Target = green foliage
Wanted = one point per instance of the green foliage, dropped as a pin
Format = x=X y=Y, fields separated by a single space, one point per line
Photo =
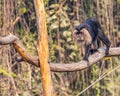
x=24 y=10
x=29 y=40
x=118 y=1
x=87 y=7
x=6 y=73
x=59 y=28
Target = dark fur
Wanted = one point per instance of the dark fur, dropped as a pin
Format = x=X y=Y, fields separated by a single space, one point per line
x=96 y=32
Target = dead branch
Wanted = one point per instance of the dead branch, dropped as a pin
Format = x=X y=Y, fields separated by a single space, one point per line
x=57 y=67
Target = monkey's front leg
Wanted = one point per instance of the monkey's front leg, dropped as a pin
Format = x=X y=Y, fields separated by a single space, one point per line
x=87 y=50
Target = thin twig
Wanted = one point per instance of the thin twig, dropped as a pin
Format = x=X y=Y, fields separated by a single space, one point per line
x=100 y=78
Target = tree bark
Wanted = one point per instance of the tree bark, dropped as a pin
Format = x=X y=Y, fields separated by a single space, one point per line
x=57 y=67
x=43 y=47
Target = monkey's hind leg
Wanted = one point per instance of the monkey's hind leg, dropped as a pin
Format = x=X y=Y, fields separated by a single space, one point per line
x=87 y=51
x=106 y=41
x=94 y=47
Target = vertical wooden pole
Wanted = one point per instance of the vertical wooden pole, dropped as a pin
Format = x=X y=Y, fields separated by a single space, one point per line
x=43 y=47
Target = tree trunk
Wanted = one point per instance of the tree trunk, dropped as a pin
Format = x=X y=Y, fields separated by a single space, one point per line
x=43 y=47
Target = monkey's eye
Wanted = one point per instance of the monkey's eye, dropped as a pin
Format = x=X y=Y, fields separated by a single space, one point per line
x=78 y=33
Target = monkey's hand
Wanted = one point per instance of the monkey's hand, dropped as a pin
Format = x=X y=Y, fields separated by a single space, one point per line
x=106 y=52
x=85 y=58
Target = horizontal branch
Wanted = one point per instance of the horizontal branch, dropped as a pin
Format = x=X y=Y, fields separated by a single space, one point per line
x=57 y=67
x=83 y=64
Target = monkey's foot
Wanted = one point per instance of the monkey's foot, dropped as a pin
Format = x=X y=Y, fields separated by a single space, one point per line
x=106 y=52
x=92 y=51
x=86 y=59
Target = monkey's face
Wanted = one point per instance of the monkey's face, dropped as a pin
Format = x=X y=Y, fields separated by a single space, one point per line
x=80 y=34
x=83 y=35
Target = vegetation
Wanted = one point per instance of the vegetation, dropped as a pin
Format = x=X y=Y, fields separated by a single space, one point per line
x=21 y=79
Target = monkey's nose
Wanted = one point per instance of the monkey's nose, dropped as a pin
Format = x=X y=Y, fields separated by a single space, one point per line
x=80 y=40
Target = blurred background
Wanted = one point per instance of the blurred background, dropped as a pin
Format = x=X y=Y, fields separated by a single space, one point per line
x=22 y=79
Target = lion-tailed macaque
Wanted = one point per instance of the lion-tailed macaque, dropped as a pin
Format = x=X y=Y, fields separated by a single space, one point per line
x=90 y=31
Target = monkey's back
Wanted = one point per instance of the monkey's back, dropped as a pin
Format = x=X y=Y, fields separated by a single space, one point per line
x=93 y=27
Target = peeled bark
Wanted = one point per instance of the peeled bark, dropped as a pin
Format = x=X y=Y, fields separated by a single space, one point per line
x=43 y=47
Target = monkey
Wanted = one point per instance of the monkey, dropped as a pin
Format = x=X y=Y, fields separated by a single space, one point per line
x=91 y=32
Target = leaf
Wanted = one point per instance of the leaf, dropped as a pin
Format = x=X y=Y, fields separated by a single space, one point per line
x=24 y=10
x=52 y=12
x=54 y=17
x=118 y=1
x=72 y=55
x=5 y=72
x=54 y=26
x=69 y=39
x=54 y=6
x=67 y=33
